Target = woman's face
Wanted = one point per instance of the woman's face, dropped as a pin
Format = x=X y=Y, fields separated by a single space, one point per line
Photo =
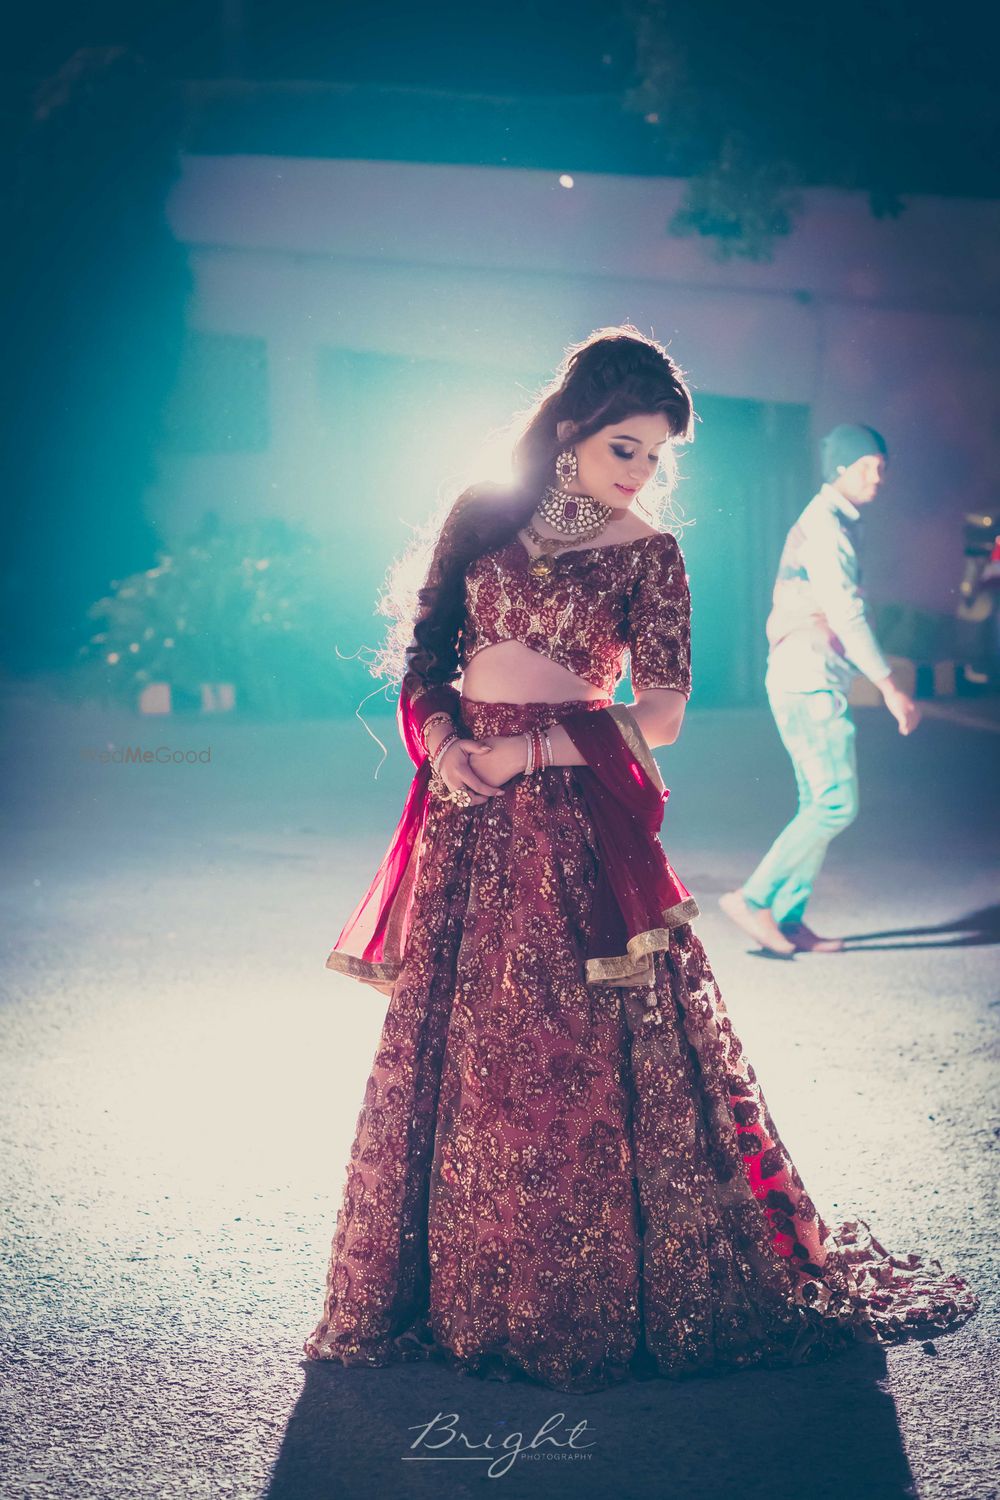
x=616 y=462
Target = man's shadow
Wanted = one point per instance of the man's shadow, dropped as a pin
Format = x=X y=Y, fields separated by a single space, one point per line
x=979 y=929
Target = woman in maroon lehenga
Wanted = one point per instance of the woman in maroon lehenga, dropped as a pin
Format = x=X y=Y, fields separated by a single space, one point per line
x=564 y=1167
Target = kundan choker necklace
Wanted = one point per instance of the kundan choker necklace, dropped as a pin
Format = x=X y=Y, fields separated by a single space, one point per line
x=577 y=516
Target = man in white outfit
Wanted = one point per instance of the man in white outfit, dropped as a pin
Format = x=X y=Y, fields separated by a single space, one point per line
x=819 y=639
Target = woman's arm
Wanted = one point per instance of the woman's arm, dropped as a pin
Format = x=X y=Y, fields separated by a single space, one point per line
x=421 y=701
x=430 y=713
x=659 y=638
x=413 y=685
x=659 y=713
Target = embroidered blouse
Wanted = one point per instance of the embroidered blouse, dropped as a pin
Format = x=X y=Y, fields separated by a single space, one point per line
x=595 y=605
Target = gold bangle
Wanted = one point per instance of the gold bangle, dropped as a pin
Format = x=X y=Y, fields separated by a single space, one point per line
x=445 y=744
x=438 y=718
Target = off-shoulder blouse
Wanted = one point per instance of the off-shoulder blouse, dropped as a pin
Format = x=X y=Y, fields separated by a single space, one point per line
x=595 y=604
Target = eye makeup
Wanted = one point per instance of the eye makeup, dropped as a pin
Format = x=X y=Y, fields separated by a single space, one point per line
x=620 y=453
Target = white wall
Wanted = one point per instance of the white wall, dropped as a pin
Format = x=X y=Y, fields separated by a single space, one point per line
x=889 y=322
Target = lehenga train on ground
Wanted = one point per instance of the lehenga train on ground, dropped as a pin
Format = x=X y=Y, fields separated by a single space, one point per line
x=564 y=1167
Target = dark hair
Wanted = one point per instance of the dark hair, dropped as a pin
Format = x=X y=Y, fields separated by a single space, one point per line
x=613 y=374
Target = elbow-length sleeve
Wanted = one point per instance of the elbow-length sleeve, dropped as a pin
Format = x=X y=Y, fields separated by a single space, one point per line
x=659 y=619
x=414 y=688
x=419 y=699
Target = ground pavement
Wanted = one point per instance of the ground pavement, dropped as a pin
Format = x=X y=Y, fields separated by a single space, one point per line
x=180 y=1079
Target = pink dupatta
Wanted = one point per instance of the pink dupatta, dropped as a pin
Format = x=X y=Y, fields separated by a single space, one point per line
x=373 y=941
x=638 y=897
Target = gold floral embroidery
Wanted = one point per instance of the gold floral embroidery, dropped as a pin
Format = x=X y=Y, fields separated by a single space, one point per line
x=597 y=603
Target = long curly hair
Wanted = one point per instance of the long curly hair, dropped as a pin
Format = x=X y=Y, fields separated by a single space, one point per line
x=615 y=373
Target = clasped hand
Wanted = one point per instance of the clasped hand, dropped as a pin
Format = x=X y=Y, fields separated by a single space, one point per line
x=483 y=767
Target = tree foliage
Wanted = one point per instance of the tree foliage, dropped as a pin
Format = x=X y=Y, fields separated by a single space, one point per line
x=754 y=103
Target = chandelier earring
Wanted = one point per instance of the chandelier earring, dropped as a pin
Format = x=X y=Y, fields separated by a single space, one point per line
x=567 y=466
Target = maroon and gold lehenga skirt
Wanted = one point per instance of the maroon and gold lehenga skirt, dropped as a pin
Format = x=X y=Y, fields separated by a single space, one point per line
x=544 y=1185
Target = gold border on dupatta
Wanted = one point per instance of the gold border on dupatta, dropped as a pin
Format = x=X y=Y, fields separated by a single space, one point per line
x=634 y=738
x=379 y=976
x=635 y=966
x=382 y=976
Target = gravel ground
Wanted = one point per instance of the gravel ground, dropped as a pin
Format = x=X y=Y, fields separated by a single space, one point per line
x=180 y=1079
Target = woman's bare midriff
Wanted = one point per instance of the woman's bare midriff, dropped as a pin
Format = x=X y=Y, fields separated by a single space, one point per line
x=511 y=672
